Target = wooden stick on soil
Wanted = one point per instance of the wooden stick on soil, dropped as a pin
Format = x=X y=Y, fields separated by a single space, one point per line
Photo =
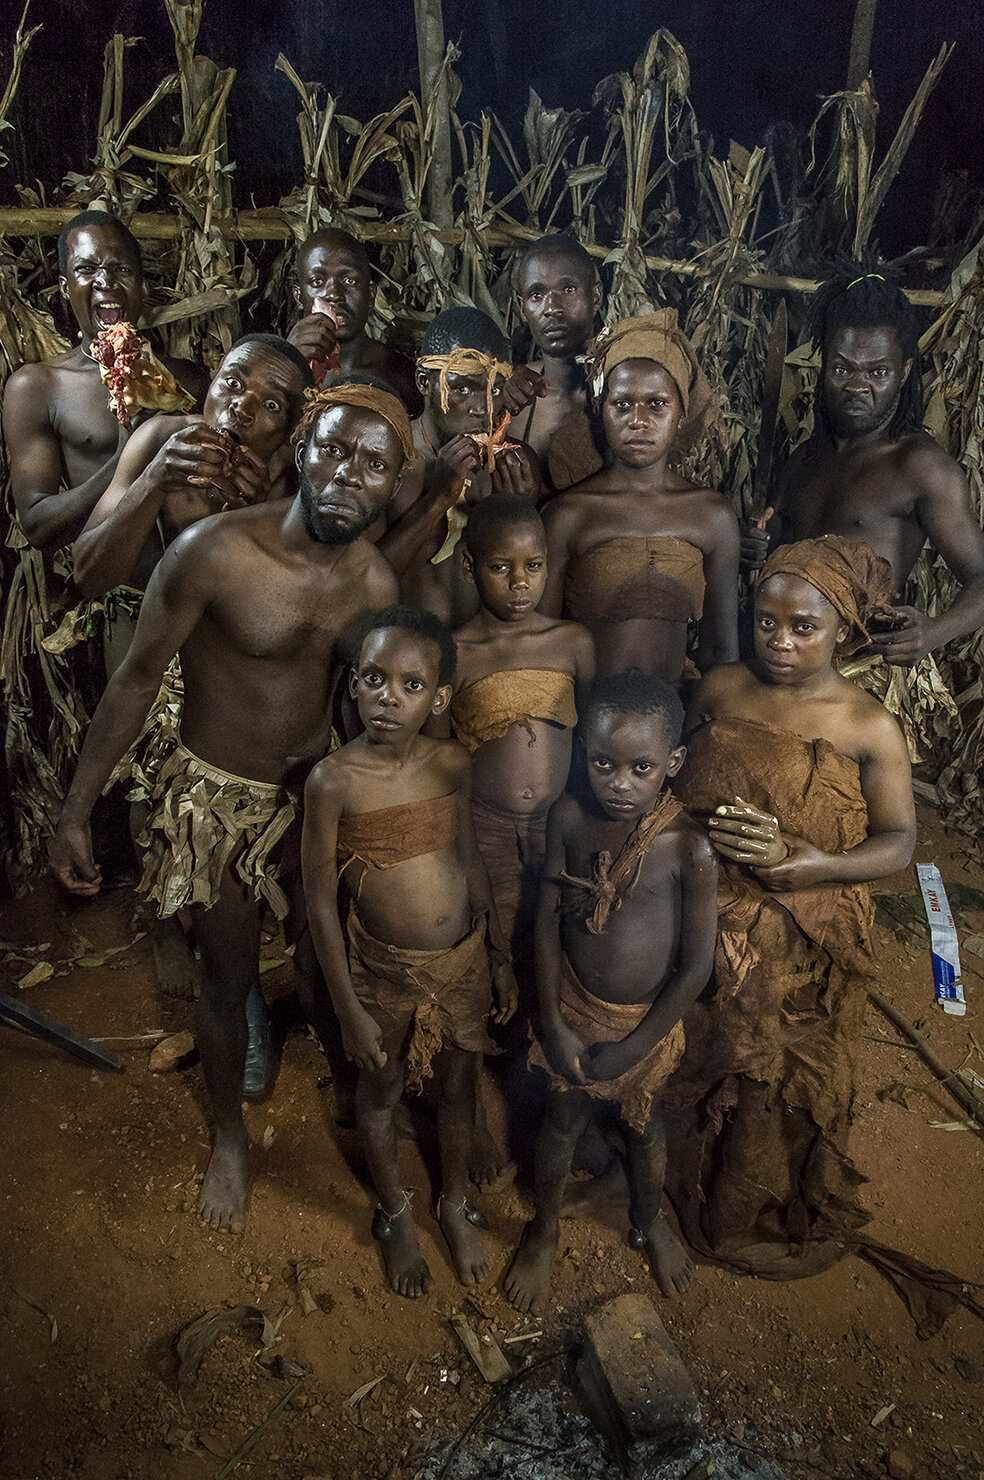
x=251 y=1440
x=949 y=1078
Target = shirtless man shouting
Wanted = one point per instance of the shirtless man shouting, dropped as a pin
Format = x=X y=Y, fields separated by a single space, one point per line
x=64 y=441
x=870 y=472
x=256 y=603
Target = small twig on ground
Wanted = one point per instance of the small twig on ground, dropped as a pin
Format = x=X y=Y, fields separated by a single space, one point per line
x=949 y=1078
x=251 y=1440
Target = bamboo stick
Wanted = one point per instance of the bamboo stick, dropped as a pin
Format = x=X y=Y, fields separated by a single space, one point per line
x=434 y=97
x=258 y=226
x=949 y=1078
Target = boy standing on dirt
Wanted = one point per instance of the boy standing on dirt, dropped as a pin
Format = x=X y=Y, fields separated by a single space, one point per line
x=392 y=812
x=625 y=941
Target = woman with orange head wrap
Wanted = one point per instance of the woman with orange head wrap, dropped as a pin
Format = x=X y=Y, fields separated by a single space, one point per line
x=804 y=782
x=637 y=552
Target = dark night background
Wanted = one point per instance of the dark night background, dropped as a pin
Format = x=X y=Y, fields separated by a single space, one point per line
x=753 y=63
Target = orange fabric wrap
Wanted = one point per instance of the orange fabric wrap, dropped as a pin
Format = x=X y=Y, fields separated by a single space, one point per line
x=848 y=573
x=488 y=708
x=391 y=835
x=428 y=999
x=596 y=1021
x=625 y=579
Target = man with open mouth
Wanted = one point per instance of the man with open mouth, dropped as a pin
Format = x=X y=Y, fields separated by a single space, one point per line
x=64 y=441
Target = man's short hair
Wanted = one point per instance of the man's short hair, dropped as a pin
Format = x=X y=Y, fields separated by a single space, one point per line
x=863 y=295
x=557 y=244
x=499 y=511
x=638 y=693
x=333 y=236
x=281 y=347
x=421 y=624
x=465 y=328
x=95 y=218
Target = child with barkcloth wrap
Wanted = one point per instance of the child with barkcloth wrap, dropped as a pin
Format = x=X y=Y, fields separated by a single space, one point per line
x=513 y=706
x=390 y=812
x=624 y=943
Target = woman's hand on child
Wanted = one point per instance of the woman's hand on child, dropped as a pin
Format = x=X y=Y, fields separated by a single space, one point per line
x=362 y=1040
x=802 y=867
x=505 y=991
x=564 y=1050
x=743 y=834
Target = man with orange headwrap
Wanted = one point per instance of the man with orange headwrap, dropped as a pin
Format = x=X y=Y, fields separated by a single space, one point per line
x=803 y=780
x=256 y=603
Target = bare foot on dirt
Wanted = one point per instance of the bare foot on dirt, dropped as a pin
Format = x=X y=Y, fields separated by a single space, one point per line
x=460 y=1225
x=488 y=1166
x=403 y=1262
x=585 y=1198
x=527 y=1280
x=222 y=1202
x=174 y=961
x=671 y=1266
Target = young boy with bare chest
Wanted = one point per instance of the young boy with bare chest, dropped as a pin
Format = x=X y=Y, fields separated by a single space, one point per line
x=625 y=937
x=516 y=682
x=390 y=814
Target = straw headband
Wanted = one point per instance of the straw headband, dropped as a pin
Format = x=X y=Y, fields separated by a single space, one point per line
x=368 y=398
x=463 y=361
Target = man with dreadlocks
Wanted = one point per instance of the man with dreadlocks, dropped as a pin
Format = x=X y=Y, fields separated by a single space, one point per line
x=256 y=603
x=870 y=471
x=461 y=437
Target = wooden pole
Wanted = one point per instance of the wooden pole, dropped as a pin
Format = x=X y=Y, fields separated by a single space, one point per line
x=271 y=226
x=434 y=96
x=859 y=63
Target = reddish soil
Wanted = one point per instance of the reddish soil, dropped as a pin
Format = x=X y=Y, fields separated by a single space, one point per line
x=105 y=1260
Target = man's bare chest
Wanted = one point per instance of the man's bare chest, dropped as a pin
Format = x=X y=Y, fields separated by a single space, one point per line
x=87 y=430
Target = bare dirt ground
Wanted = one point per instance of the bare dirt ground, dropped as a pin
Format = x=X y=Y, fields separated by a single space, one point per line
x=105 y=1261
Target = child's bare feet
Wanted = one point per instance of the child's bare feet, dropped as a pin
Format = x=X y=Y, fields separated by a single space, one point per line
x=405 y=1266
x=222 y=1201
x=460 y=1224
x=174 y=961
x=527 y=1280
x=582 y=1199
x=488 y=1166
x=671 y=1266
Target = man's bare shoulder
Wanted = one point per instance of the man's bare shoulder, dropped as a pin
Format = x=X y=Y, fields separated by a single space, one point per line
x=36 y=383
x=925 y=461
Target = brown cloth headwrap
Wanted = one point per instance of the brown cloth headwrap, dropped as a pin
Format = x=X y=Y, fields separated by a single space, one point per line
x=656 y=336
x=370 y=398
x=850 y=574
x=612 y=879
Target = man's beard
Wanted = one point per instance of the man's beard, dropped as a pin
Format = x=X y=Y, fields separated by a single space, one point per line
x=328 y=529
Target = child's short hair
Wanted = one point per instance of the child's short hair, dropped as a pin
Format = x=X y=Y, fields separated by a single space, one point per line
x=499 y=511
x=638 y=693
x=422 y=624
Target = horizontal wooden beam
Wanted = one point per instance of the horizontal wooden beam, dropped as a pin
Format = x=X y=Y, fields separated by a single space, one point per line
x=271 y=225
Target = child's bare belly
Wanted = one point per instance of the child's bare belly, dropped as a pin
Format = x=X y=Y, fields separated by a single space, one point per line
x=513 y=775
x=419 y=905
x=631 y=959
x=651 y=644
